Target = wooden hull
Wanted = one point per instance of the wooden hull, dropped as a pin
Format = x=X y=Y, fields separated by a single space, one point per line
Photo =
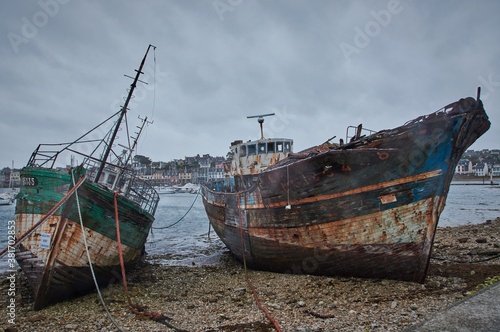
x=366 y=209
x=54 y=257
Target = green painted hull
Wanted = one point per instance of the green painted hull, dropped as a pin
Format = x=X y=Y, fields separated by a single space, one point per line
x=54 y=257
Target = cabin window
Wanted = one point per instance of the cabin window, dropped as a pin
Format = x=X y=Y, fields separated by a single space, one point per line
x=270 y=147
x=111 y=179
x=279 y=146
x=251 y=149
x=287 y=146
x=243 y=151
x=262 y=148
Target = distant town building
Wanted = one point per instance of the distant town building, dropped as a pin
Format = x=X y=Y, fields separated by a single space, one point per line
x=10 y=178
x=464 y=167
x=479 y=163
x=200 y=169
x=480 y=169
x=496 y=169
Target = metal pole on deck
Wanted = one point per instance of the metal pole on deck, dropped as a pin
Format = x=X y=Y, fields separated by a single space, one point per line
x=122 y=114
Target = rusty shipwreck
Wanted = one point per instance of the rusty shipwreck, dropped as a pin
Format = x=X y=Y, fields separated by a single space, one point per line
x=365 y=208
x=69 y=218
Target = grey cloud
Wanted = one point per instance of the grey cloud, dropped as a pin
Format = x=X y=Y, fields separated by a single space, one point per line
x=216 y=67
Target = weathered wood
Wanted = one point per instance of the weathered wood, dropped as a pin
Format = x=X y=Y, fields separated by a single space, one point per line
x=368 y=208
x=62 y=270
x=82 y=231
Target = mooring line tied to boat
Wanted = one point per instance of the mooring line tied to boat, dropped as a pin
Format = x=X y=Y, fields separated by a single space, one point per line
x=182 y=218
x=247 y=278
x=135 y=308
x=494 y=256
x=84 y=237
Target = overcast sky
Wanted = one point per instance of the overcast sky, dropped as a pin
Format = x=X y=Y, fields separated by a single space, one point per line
x=319 y=65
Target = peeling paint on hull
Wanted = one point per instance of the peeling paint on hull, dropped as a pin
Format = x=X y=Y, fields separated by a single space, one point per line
x=366 y=209
x=360 y=247
x=67 y=205
x=58 y=268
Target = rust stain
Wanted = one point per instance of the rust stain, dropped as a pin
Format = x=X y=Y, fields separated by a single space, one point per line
x=390 y=198
x=346 y=168
x=383 y=155
x=358 y=230
x=387 y=184
x=368 y=208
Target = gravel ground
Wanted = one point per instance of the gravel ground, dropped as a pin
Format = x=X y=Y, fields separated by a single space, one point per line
x=218 y=298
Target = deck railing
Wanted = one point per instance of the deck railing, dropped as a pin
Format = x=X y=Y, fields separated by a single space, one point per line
x=114 y=177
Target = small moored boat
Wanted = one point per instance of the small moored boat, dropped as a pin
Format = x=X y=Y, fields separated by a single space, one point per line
x=165 y=190
x=6 y=199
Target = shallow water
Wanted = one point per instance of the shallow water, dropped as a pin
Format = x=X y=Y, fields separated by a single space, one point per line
x=176 y=241
x=470 y=204
x=180 y=237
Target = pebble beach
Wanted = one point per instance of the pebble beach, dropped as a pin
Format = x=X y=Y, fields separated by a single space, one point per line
x=220 y=297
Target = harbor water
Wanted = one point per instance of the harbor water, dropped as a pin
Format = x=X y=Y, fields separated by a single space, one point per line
x=180 y=234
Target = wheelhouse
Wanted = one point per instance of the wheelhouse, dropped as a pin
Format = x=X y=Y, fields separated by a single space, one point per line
x=254 y=157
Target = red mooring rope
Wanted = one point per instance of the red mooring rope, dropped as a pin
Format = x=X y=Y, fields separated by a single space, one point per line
x=134 y=308
x=247 y=278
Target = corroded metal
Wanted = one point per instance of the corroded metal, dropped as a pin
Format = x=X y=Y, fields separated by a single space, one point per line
x=368 y=208
x=58 y=267
x=57 y=257
x=253 y=157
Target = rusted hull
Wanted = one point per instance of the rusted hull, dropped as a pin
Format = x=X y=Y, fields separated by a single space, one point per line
x=367 y=209
x=384 y=244
x=54 y=257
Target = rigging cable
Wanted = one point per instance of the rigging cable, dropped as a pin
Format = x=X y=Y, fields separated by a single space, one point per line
x=154 y=92
x=465 y=262
x=84 y=236
x=185 y=214
x=154 y=84
x=135 y=308
x=247 y=278
x=288 y=206
x=128 y=133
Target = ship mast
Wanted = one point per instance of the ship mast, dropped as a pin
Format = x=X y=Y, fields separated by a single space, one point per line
x=136 y=139
x=122 y=114
x=260 y=119
x=131 y=150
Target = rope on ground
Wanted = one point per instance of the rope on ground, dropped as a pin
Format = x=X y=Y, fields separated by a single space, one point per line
x=249 y=282
x=465 y=262
x=45 y=217
x=84 y=236
x=135 y=308
x=185 y=214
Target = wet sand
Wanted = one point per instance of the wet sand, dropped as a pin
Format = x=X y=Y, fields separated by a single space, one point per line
x=219 y=298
